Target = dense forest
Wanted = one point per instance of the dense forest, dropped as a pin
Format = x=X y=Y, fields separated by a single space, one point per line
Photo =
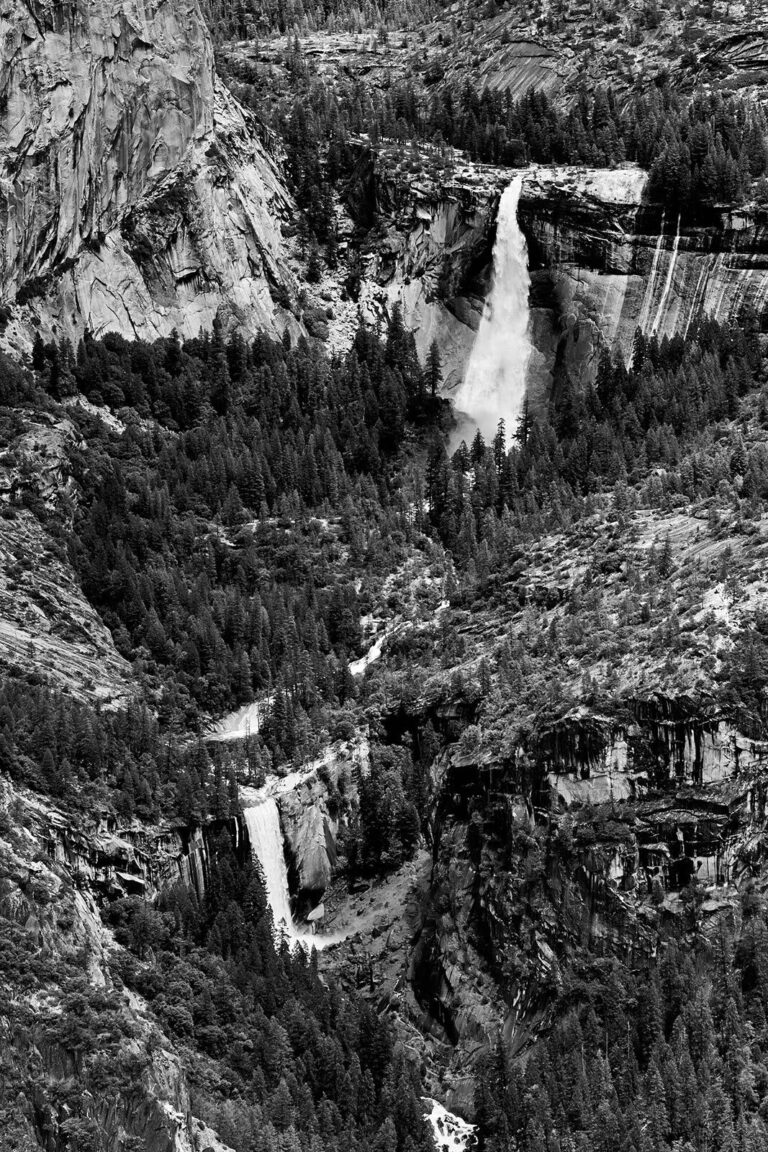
x=664 y=1053
x=181 y=540
x=194 y=538
x=298 y=1065
x=222 y=537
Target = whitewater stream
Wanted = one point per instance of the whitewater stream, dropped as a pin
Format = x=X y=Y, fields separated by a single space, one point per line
x=451 y=1133
x=493 y=388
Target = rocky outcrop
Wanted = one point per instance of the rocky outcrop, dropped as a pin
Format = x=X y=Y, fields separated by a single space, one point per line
x=309 y=818
x=136 y=196
x=580 y=838
x=667 y=741
x=430 y=250
x=46 y=624
x=693 y=777
x=133 y=860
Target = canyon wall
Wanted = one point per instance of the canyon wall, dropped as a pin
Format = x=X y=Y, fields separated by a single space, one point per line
x=603 y=263
x=584 y=840
x=55 y=878
x=136 y=195
x=429 y=248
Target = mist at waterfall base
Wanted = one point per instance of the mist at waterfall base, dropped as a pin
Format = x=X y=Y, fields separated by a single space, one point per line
x=493 y=388
x=266 y=839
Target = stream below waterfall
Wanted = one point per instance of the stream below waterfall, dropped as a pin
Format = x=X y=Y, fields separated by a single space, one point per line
x=451 y=1133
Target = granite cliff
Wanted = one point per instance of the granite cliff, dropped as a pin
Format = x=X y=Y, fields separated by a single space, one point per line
x=136 y=196
x=603 y=260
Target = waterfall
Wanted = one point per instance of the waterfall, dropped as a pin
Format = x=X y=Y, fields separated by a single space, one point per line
x=494 y=385
x=451 y=1133
x=266 y=838
x=668 y=281
x=265 y=834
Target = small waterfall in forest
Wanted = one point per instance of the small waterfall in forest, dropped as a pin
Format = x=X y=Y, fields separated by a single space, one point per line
x=451 y=1133
x=493 y=388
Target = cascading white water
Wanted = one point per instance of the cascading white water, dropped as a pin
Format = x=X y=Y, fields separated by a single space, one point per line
x=266 y=838
x=265 y=834
x=493 y=388
x=451 y=1133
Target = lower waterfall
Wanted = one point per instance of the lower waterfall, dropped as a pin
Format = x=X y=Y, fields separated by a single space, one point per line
x=263 y=824
x=266 y=838
x=493 y=388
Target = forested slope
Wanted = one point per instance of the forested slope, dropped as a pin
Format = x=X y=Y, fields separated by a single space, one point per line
x=523 y=685
x=225 y=562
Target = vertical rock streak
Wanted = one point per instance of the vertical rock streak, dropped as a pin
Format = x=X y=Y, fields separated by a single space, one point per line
x=645 y=311
x=668 y=281
x=494 y=386
x=698 y=295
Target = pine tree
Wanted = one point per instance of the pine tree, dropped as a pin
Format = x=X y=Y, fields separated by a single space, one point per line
x=434 y=369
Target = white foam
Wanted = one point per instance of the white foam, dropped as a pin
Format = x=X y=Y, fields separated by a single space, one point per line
x=451 y=1133
x=494 y=386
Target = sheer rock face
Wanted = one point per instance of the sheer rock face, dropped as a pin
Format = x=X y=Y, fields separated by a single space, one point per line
x=134 y=195
x=495 y=932
x=603 y=263
x=430 y=271
x=431 y=252
x=310 y=835
x=112 y=861
x=47 y=626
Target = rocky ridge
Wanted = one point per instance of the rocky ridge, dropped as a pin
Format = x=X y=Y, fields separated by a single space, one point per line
x=47 y=626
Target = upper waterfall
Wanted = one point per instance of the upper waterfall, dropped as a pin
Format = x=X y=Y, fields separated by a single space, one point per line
x=494 y=385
